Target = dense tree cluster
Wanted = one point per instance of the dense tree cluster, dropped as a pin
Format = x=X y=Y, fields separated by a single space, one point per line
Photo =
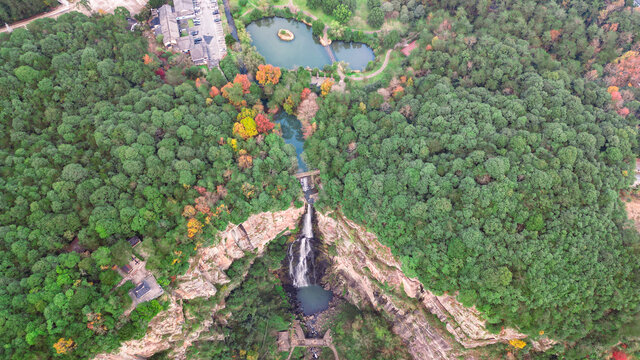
x=14 y=10
x=493 y=169
x=94 y=149
x=258 y=309
x=364 y=335
x=342 y=10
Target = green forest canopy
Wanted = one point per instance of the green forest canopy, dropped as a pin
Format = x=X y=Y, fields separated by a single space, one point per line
x=494 y=169
x=94 y=147
x=14 y=10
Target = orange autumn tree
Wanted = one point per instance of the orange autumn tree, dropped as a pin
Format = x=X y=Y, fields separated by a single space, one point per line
x=555 y=34
x=233 y=92
x=627 y=70
x=268 y=74
x=63 y=345
x=305 y=92
x=243 y=80
x=193 y=227
x=147 y=59
x=245 y=160
x=214 y=92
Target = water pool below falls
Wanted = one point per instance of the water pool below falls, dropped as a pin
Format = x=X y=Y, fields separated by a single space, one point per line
x=311 y=296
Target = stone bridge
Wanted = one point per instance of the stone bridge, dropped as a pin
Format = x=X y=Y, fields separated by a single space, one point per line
x=308 y=181
x=294 y=337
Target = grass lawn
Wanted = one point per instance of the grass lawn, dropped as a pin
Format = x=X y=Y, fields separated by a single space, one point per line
x=393 y=68
x=302 y=5
x=190 y=23
x=358 y=20
x=251 y=4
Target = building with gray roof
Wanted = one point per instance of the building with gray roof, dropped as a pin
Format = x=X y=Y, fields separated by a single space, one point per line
x=192 y=29
x=169 y=25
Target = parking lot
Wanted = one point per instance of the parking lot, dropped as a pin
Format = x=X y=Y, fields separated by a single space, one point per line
x=206 y=28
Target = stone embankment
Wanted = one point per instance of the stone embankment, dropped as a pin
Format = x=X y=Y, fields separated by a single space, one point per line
x=207 y=269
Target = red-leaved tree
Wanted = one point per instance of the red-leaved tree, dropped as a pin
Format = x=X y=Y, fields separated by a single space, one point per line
x=263 y=125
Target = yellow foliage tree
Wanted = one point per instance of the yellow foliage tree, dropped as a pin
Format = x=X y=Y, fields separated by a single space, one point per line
x=249 y=126
x=246 y=113
x=63 y=345
x=326 y=86
x=518 y=344
x=189 y=211
x=268 y=74
x=193 y=227
x=248 y=190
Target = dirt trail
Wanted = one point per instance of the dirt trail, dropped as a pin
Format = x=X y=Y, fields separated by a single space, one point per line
x=633 y=210
x=102 y=6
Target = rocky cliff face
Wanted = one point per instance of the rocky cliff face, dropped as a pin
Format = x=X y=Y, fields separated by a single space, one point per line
x=205 y=271
x=366 y=271
x=362 y=270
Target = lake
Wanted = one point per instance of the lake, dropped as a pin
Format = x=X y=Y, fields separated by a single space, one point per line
x=305 y=50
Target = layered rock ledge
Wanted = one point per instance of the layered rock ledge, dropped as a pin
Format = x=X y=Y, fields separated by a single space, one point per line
x=363 y=271
x=206 y=270
x=366 y=272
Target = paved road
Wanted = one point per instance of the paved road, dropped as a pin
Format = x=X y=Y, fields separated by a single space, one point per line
x=377 y=72
x=211 y=30
x=53 y=13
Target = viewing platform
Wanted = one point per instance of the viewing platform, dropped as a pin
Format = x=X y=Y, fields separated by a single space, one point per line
x=311 y=174
x=294 y=337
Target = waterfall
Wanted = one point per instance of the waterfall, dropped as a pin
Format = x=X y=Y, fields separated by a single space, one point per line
x=305 y=184
x=299 y=262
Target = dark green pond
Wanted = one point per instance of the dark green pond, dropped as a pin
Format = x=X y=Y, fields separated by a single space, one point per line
x=292 y=134
x=304 y=50
x=314 y=299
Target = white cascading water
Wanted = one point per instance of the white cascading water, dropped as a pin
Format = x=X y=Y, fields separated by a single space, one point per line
x=305 y=184
x=298 y=271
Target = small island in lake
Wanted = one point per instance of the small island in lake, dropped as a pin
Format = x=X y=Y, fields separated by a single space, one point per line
x=285 y=35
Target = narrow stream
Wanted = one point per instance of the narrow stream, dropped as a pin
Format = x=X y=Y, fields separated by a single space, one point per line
x=301 y=254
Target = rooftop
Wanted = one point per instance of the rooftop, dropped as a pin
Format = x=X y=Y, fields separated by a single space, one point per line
x=169 y=25
x=141 y=289
x=198 y=52
x=134 y=241
x=184 y=8
x=409 y=48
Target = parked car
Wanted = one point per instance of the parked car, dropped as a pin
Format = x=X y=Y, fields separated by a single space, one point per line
x=218 y=20
x=194 y=33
